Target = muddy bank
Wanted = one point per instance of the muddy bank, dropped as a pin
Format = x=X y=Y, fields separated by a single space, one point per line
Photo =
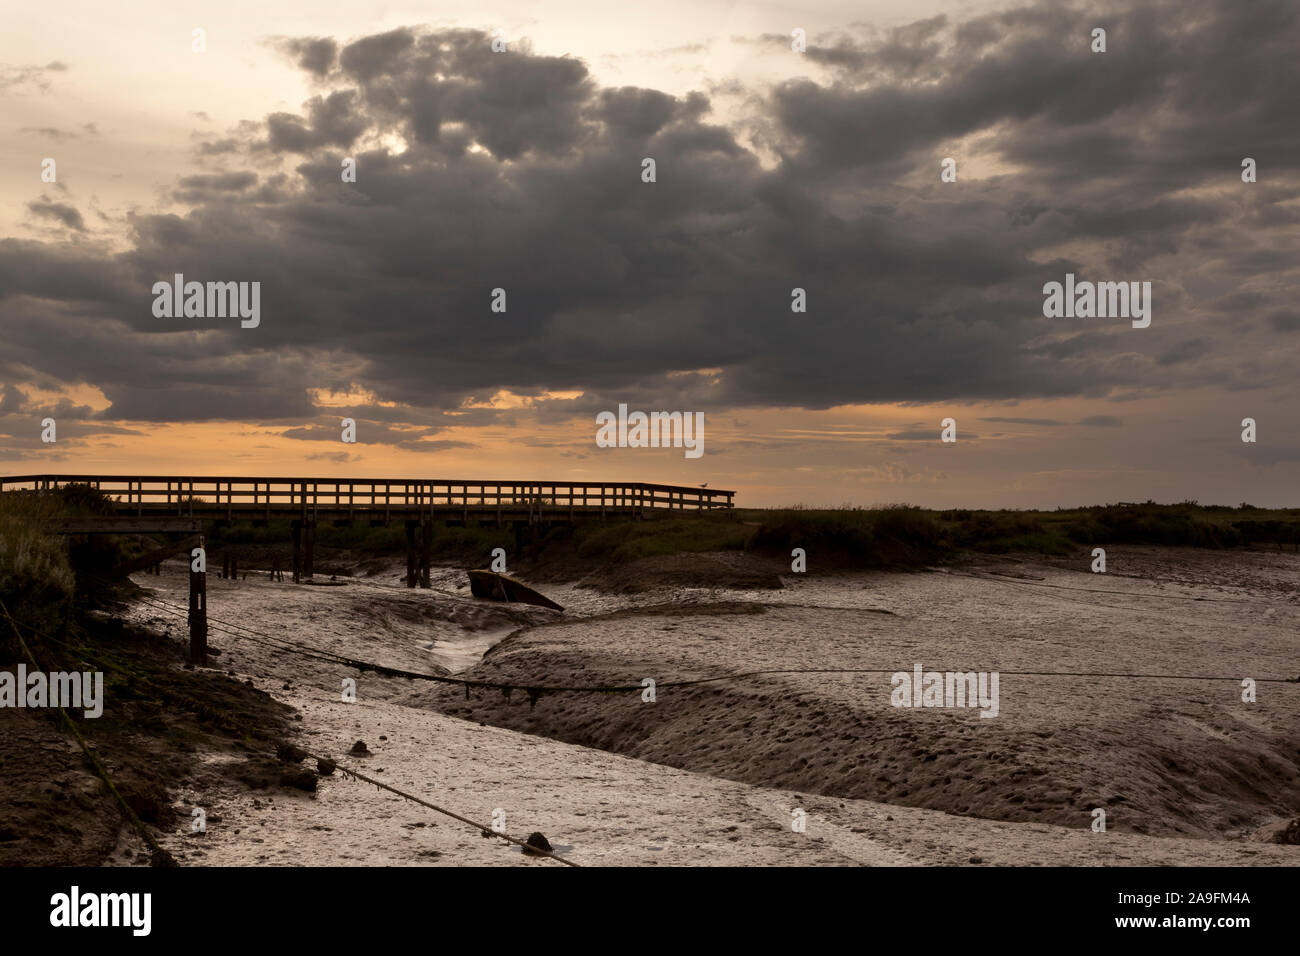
x=606 y=807
x=1161 y=757
x=722 y=570
x=602 y=809
x=157 y=717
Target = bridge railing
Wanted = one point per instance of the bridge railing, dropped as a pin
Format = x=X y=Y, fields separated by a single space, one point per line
x=184 y=495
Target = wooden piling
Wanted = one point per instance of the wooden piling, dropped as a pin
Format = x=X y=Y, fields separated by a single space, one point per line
x=297 y=552
x=309 y=549
x=426 y=551
x=198 y=617
x=410 y=554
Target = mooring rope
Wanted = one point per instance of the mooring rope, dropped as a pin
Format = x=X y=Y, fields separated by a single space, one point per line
x=443 y=810
x=536 y=690
x=538 y=851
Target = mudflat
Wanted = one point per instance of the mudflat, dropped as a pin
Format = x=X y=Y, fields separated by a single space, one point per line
x=1186 y=772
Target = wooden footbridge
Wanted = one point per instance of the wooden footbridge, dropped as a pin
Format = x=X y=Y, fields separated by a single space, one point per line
x=181 y=506
x=379 y=501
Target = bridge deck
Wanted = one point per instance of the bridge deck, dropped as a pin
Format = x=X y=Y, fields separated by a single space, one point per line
x=381 y=499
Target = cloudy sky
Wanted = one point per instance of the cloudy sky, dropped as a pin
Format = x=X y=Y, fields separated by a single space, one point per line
x=775 y=169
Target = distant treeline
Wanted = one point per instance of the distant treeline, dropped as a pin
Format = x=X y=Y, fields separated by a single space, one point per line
x=903 y=534
x=888 y=536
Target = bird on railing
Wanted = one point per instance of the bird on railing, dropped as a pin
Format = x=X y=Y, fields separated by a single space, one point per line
x=705 y=485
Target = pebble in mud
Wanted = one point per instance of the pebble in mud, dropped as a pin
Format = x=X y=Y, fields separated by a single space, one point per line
x=359 y=749
x=299 y=778
x=290 y=753
x=536 y=841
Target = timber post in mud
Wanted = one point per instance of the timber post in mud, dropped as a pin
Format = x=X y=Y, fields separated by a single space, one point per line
x=418 y=555
x=410 y=554
x=426 y=552
x=309 y=549
x=304 y=548
x=198 y=618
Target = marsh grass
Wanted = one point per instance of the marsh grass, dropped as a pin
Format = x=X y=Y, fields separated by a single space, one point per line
x=36 y=579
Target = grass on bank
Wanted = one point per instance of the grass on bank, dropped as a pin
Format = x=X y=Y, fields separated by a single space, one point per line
x=887 y=536
x=36 y=575
x=905 y=534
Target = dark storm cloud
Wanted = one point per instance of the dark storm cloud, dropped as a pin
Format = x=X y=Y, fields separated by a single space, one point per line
x=177 y=400
x=219 y=147
x=374 y=56
x=58 y=211
x=21 y=425
x=331 y=121
x=313 y=54
x=438 y=444
x=924 y=434
x=367 y=432
x=339 y=457
x=11 y=400
x=220 y=182
x=478 y=170
x=213 y=185
x=1024 y=421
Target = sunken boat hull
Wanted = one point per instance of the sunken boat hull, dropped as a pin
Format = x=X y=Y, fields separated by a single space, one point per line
x=498 y=587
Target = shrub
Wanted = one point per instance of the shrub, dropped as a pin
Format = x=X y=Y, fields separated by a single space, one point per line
x=36 y=580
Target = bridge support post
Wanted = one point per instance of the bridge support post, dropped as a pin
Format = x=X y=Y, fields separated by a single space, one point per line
x=411 y=573
x=526 y=534
x=198 y=613
x=297 y=552
x=309 y=549
x=426 y=551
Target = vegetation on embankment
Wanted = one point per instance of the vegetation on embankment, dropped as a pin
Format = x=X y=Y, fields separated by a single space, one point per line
x=901 y=535
x=34 y=570
x=156 y=712
x=891 y=536
x=36 y=580
x=46 y=578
